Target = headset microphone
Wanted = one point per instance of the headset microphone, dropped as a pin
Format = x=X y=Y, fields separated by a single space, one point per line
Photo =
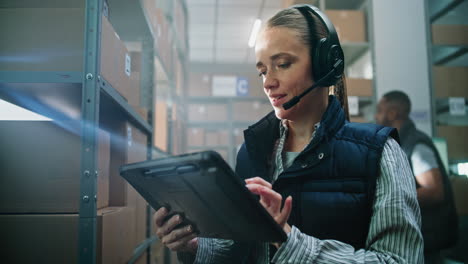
x=297 y=98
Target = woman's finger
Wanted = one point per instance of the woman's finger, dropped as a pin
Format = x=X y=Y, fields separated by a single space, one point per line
x=169 y=225
x=272 y=198
x=159 y=216
x=254 y=188
x=178 y=234
x=285 y=212
x=182 y=244
x=258 y=180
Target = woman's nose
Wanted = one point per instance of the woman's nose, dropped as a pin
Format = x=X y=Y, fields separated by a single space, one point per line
x=270 y=81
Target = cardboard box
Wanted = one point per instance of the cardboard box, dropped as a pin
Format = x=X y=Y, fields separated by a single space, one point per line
x=199 y=84
x=133 y=96
x=52 y=39
x=143 y=259
x=116 y=61
x=449 y=34
x=250 y=111
x=359 y=87
x=217 y=138
x=207 y=112
x=142 y=111
x=30 y=239
x=135 y=201
x=450 y=81
x=42 y=39
x=137 y=63
x=40 y=164
x=160 y=121
x=128 y=145
x=457 y=145
x=255 y=85
x=349 y=24
x=287 y=3
x=239 y=136
x=179 y=134
x=358 y=119
x=195 y=136
x=460 y=194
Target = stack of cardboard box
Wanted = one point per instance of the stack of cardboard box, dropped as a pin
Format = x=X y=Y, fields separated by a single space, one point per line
x=41 y=160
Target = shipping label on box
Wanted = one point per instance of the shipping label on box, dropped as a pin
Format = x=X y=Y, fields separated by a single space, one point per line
x=224 y=85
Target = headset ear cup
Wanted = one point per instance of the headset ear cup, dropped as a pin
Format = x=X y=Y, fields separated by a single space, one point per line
x=335 y=54
x=317 y=60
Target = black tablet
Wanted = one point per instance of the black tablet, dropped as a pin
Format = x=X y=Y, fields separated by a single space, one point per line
x=203 y=188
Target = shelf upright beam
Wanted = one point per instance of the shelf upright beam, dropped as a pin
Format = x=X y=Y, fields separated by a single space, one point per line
x=147 y=80
x=89 y=126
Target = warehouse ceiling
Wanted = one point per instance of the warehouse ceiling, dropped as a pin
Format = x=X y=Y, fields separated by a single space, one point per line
x=220 y=29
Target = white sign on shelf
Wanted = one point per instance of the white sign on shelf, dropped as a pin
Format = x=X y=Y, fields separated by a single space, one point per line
x=353 y=105
x=128 y=64
x=457 y=106
x=223 y=85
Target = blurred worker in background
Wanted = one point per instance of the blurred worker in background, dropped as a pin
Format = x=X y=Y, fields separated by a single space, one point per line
x=439 y=219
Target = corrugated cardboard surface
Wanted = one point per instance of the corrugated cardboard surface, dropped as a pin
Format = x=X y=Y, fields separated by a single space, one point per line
x=250 y=110
x=37 y=42
x=199 y=84
x=450 y=81
x=217 y=138
x=239 y=136
x=358 y=119
x=53 y=239
x=449 y=34
x=457 y=145
x=349 y=24
x=359 y=87
x=207 y=112
x=40 y=164
x=134 y=200
x=117 y=238
x=287 y=3
x=128 y=145
x=195 y=136
x=113 y=54
x=160 y=121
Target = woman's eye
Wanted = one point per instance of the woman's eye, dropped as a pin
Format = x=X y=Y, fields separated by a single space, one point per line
x=284 y=65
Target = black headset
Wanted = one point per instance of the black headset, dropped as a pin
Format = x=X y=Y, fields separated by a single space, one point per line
x=327 y=56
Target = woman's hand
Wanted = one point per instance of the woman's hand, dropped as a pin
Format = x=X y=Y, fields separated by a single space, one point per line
x=177 y=239
x=271 y=200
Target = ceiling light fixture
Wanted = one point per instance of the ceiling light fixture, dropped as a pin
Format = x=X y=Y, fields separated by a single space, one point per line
x=253 y=34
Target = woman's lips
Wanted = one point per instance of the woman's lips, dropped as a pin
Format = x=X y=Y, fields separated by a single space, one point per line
x=278 y=100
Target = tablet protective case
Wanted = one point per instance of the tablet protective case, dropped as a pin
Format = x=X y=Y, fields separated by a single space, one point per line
x=208 y=193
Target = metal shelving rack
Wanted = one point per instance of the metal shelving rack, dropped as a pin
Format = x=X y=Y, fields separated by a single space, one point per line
x=446 y=12
x=87 y=92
